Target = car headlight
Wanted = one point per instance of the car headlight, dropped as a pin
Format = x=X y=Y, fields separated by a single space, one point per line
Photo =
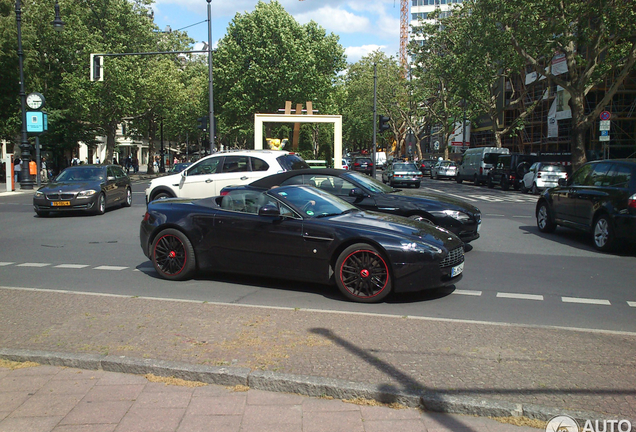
x=39 y=194
x=87 y=193
x=457 y=215
x=419 y=247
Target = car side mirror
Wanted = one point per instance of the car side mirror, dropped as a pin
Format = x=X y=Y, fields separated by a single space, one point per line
x=269 y=211
x=356 y=193
x=563 y=182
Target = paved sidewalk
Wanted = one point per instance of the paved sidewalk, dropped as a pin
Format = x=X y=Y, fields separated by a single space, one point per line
x=441 y=365
x=47 y=398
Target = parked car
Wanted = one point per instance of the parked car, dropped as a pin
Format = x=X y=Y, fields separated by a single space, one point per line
x=457 y=216
x=425 y=166
x=599 y=198
x=542 y=175
x=362 y=164
x=444 y=169
x=404 y=173
x=477 y=162
x=207 y=176
x=509 y=170
x=299 y=233
x=89 y=188
x=178 y=167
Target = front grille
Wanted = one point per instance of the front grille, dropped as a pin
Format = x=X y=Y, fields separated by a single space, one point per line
x=454 y=257
x=60 y=196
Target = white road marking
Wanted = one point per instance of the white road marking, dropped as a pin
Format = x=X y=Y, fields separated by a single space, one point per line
x=33 y=265
x=6 y=263
x=586 y=301
x=72 y=266
x=467 y=292
x=632 y=303
x=523 y=217
x=116 y=268
x=520 y=296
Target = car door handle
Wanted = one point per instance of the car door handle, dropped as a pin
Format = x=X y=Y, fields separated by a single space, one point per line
x=244 y=178
x=209 y=181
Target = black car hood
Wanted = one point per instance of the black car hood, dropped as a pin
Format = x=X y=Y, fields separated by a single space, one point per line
x=427 y=201
x=407 y=228
x=69 y=187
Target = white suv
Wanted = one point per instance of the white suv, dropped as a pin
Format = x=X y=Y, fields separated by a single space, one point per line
x=207 y=176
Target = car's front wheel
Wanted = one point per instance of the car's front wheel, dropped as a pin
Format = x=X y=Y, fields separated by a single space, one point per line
x=100 y=205
x=128 y=199
x=362 y=274
x=172 y=255
x=161 y=195
x=544 y=220
x=604 y=238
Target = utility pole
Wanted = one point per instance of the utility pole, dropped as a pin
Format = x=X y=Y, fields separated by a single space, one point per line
x=375 y=115
x=211 y=90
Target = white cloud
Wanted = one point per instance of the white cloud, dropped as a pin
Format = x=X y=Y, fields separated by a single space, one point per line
x=356 y=53
x=336 y=20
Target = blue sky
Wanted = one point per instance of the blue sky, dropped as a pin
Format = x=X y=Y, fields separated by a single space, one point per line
x=362 y=25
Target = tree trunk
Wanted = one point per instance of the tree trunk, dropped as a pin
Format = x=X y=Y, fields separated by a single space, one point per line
x=152 y=130
x=111 y=130
x=577 y=106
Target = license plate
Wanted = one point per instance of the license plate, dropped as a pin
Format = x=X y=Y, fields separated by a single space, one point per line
x=457 y=270
x=60 y=203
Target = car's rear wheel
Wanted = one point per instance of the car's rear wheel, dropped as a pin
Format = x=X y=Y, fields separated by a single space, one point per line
x=491 y=184
x=504 y=184
x=524 y=189
x=362 y=274
x=544 y=219
x=604 y=238
x=459 y=180
x=476 y=181
x=100 y=205
x=417 y=185
x=172 y=255
x=128 y=200
x=535 y=189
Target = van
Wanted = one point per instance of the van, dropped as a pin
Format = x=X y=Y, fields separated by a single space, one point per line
x=477 y=162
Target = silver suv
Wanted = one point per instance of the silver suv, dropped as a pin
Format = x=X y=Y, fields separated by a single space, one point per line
x=207 y=176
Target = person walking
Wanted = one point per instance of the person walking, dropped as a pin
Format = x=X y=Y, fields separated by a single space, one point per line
x=17 y=169
x=43 y=171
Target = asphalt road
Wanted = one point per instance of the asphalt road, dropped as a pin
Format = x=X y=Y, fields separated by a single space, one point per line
x=514 y=274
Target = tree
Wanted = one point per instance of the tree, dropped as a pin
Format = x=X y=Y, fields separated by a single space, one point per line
x=267 y=58
x=597 y=39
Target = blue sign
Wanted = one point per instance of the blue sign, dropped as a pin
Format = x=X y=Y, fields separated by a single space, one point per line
x=35 y=121
x=604 y=133
x=46 y=122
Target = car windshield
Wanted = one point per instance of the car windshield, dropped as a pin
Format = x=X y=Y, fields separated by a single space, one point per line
x=367 y=182
x=292 y=162
x=311 y=202
x=552 y=168
x=81 y=174
x=405 y=167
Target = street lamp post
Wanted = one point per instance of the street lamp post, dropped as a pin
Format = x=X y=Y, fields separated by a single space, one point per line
x=211 y=89
x=26 y=182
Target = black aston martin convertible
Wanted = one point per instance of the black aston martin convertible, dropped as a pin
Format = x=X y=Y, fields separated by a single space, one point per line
x=300 y=233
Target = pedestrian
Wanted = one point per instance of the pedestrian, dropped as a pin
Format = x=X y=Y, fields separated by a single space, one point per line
x=135 y=163
x=43 y=171
x=127 y=164
x=97 y=159
x=75 y=161
x=17 y=168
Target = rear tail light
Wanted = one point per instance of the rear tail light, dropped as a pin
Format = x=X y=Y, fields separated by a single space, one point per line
x=146 y=217
x=224 y=192
x=481 y=170
x=631 y=201
x=539 y=175
x=357 y=164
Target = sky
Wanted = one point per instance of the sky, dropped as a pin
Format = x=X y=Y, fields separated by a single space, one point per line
x=363 y=26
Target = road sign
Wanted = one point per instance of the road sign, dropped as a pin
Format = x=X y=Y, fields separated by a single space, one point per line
x=605 y=125
x=604 y=138
x=605 y=115
x=436 y=145
x=35 y=121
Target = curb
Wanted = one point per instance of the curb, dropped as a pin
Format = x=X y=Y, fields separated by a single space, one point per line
x=298 y=384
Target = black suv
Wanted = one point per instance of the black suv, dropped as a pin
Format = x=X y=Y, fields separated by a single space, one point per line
x=510 y=169
x=599 y=198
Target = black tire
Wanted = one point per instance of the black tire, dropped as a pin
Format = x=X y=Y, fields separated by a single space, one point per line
x=490 y=182
x=544 y=219
x=603 y=236
x=504 y=184
x=362 y=274
x=524 y=189
x=417 y=185
x=476 y=181
x=41 y=213
x=161 y=195
x=459 y=180
x=534 y=190
x=100 y=205
x=172 y=255
x=128 y=200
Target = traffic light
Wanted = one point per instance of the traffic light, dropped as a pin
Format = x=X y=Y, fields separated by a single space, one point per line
x=203 y=123
x=384 y=123
x=97 y=67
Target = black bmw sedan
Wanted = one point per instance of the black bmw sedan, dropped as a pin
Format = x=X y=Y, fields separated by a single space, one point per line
x=366 y=193
x=89 y=188
x=300 y=233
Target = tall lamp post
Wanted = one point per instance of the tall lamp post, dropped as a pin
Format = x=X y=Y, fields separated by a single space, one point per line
x=26 y=182
x=211 y=87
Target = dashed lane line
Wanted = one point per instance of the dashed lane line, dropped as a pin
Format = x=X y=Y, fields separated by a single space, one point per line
x=585 y=301
x=114 y=268
x=467 y=292
x=33 y=265
x=520 y=296
x=71 y=266
x=632 y=303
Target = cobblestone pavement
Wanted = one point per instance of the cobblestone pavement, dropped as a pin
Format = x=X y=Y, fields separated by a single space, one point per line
x=540 y=372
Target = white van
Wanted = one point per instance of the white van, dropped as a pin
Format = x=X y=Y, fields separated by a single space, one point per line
x=476 y=163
